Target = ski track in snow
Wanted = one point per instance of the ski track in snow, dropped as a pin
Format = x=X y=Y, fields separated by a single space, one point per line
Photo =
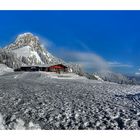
x=34 y=100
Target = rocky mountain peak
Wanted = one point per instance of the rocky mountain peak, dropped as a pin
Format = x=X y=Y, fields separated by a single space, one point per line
x=26 y=39
x=30 y=51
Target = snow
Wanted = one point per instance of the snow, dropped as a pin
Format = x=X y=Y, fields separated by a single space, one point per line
x=23 y=35
x=27 y=52
x=23 y=51
x=16 y=76
x=49 y=56
x=96 y=76
x=40 y=101
x=1 y=122
x=64 y=76
x=33 y=126
x=44 y=75
x=44 y=53
x=4 y=69
x=34 y=53
x=17 y=124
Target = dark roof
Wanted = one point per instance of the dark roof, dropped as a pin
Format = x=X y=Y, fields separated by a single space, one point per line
x=59 y=64
x=43 y=65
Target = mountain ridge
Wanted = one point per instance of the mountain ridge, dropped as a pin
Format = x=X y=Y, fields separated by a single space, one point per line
x=33 y=47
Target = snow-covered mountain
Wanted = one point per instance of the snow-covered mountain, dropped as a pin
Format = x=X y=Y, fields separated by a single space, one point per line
x=29 y=50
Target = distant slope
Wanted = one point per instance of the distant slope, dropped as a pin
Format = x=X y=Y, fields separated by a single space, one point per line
x=115 y=77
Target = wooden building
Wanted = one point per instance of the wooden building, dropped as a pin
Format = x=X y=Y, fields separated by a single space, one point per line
x=59 y=68
x=27 y=68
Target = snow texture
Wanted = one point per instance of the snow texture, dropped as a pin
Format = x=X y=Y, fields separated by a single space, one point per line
x=34 y=100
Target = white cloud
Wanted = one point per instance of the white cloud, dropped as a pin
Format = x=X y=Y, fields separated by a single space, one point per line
x=118 y=64
x=46 y=43
x=93 y=61
x=137 y=73
x=88 y=60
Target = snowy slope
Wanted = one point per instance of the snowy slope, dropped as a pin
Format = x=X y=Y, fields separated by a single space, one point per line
x=29 y=53
x=4 y=69
x=114 y=77
x=33 y=99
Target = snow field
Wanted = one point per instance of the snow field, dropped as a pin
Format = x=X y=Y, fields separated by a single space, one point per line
x=53 y=103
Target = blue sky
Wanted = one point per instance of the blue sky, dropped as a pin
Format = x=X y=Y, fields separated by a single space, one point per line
x=95 y=39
